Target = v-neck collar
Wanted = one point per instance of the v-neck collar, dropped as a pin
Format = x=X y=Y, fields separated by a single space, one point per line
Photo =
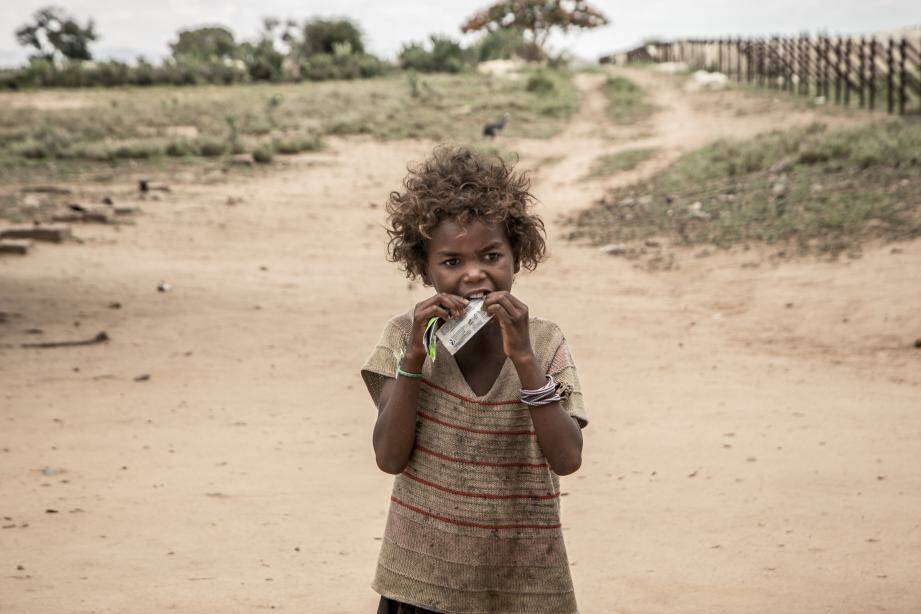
x=452 y=362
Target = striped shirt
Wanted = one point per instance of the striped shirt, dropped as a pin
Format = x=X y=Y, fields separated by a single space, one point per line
x=474 y=520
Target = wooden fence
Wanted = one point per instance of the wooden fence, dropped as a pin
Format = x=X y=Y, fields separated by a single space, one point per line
x=849 y=71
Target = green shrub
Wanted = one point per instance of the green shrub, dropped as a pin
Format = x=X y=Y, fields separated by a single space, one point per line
x=321 y=36
x=210 y=147
x=539 y=83
x=319 y=67
x=179 y=149
x=263 y=154
x=298 y=143
x=499 y=44
x=444 y=55
x=136 y=150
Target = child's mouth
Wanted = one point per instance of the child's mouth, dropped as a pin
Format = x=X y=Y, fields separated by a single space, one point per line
x=476 y=295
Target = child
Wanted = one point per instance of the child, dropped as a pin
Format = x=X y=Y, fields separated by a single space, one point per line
x=476 y=440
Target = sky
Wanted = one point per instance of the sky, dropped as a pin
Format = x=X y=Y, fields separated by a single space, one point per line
x=131 y=27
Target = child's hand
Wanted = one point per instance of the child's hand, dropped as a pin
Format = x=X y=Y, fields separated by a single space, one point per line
x=443 y=305
x=512 y=315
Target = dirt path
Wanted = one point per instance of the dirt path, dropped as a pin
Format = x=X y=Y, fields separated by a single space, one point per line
x=754 y=435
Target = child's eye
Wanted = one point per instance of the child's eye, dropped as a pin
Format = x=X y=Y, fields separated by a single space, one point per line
x=450 y=262
x=493 y=256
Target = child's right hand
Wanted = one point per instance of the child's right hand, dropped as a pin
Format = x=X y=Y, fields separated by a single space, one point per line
x=442 y=305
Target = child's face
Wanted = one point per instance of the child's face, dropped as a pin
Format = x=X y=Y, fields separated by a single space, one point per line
x=465 y=260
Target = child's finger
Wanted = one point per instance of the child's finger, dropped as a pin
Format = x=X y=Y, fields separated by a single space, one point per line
x=513 y=310
x=499 y=311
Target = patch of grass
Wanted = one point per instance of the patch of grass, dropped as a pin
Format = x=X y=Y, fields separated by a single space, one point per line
x=294 y=144
x=627 y=102
x=54 y=125
x=264 y=154
x=178 y=149
x=816 y=190
x=619 y=162
x=540 y=84
x=212 y=147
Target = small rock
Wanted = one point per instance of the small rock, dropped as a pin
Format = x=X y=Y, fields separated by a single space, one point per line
x=164 y=287
x=695 y=210
x=779 y=188
x=243 y=159
x=115 y=305
x=107 y=200
x=143 y=377
x=50 y=471
x=651 y=243
x=614 y=249
x=55 y=233
x=918 y=342
x=15 y=246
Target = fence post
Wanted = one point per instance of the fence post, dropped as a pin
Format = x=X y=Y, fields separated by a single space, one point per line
x=803 y=65
x=872 y=73
x=826 y=61
x=889 y=68
x=719 y=55
x=863 y=71
x=903 y=49
x=847 y=73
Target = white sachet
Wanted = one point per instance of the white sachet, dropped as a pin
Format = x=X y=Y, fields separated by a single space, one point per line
x=454 y=333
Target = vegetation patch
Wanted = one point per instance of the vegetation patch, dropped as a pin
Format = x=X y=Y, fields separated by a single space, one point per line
x=627 y=102
x=235 y=118
x=619 y=162
x=814 y=190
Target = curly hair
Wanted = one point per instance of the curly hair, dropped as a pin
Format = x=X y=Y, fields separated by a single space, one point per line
x=458 y=184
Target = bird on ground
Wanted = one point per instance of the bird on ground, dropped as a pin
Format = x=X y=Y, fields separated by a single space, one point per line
x=493 y=129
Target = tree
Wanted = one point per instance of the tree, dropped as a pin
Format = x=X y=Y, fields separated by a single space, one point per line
x=206 y=43
x=53 y=33
x=323 y=35
x=536 y=17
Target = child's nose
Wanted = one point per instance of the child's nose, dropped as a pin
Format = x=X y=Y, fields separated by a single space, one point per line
x=473 y=272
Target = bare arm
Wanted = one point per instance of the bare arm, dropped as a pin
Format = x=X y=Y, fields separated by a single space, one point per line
x=395 y=428
x=558 y=433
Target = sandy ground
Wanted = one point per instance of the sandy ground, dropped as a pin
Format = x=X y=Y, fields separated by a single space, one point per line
x=755 y=427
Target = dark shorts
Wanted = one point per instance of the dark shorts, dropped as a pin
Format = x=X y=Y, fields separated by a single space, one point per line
x=389 y=606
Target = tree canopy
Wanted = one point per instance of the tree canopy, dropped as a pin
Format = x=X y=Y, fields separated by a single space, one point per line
x=537 y=17
x=323 y=35
x=53 y=33
x=205 y=43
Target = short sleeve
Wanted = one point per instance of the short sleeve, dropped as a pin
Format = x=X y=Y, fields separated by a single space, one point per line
x=563 y=369
x=382 y=363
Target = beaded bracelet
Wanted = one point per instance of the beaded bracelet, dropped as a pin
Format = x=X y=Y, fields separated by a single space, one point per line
x=400 y=370
x=544 y=395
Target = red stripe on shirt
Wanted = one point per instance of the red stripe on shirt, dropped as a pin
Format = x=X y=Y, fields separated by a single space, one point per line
x=477 y=495
x=468 y=399
x=426 y=416
x=477 y=525
x=479 y=463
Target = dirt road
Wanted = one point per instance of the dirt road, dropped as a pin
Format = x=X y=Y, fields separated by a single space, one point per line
x=755 y=427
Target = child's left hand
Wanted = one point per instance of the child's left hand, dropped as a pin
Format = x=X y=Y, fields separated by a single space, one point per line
x=512 y=315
